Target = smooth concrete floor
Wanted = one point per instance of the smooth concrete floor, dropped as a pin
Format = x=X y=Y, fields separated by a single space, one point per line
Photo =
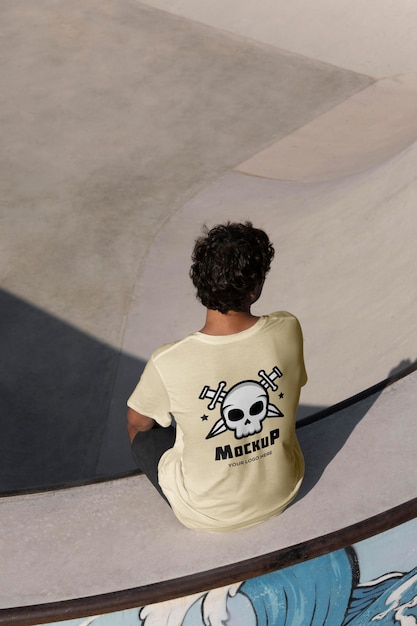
x=125 y=127
x=115 y=535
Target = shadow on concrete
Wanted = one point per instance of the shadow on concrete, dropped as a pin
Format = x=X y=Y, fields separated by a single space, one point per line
x=333 y=426
x=63 y=405
x=56 y=395
x=62 y=402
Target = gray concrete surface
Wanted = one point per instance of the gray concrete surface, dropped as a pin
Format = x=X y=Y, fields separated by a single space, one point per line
x=123 y=128
x=375 y=37
x=121 y=535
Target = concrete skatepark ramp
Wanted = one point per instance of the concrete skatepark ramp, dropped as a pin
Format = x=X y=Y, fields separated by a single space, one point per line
x=125 y=128
x=113 y=554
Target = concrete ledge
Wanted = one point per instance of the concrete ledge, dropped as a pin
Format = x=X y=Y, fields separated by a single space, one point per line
x=363 y=132
x=109 y=537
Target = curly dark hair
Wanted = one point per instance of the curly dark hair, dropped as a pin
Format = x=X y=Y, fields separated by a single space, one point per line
x=230 y=261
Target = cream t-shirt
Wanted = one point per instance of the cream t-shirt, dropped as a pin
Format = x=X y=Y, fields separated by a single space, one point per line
x=236 y=460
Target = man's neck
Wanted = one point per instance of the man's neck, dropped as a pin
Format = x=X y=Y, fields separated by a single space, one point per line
x=228 y=323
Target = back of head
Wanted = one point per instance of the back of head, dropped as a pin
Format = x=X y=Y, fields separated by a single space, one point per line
x=230 y=261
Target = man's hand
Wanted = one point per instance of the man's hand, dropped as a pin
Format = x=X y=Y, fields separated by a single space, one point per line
x=138 y=423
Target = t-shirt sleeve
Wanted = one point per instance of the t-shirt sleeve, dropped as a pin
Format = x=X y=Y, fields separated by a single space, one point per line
x=300 y=343
x=150 y=396
x=304 y=376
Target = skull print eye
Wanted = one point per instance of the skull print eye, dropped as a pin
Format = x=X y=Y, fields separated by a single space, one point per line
x=256 y=408
x=235 y=415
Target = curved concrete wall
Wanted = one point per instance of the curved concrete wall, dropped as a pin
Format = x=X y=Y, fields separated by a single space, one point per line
x=114 y=550
x=372 y=580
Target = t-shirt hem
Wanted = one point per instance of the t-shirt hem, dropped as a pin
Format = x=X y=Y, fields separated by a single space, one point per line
x=243 y=524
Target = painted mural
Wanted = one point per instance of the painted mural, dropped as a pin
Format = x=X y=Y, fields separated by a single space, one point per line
x=372 y=583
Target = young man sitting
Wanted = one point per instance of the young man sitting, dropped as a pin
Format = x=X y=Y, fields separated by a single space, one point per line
x=212 y=419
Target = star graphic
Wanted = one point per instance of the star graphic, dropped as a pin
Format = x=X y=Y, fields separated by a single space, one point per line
x=281 y=395
x=204 y=418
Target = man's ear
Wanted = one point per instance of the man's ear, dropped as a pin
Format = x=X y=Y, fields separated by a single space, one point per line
x=255 y=294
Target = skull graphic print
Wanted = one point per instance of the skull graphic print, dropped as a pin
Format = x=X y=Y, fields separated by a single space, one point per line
x=244 y=407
